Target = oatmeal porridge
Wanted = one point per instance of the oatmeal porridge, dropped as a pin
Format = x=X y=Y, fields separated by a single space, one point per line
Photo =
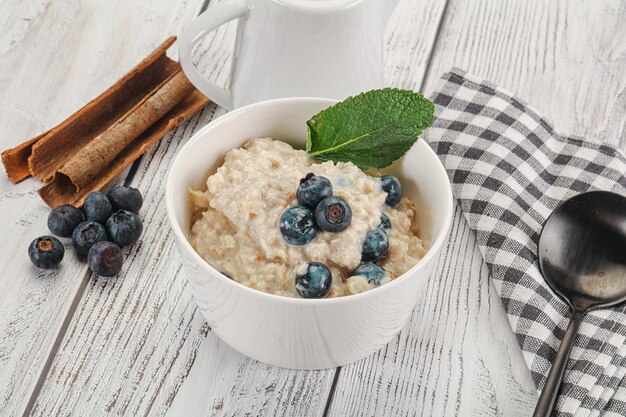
x=251 y=223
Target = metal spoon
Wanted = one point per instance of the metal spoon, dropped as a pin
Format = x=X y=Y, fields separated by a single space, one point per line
x=582 y=256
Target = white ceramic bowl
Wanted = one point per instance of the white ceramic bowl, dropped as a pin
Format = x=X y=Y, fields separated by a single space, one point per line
x=293 y=332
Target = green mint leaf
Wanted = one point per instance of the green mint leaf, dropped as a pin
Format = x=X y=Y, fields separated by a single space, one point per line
x=372 y=129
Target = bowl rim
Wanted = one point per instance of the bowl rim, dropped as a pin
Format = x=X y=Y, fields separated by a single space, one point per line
x=186 y=245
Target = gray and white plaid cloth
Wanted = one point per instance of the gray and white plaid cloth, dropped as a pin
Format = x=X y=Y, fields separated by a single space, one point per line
x=509 y=169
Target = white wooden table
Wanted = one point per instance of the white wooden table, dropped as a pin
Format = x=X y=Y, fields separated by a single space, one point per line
x=75 y=344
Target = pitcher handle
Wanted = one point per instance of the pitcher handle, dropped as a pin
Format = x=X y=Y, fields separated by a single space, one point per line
x=198 y=29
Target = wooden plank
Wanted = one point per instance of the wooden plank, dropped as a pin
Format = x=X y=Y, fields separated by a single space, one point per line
x=135 y=340
x=137 y=363
x=458 y=355
x=410 y=36
x=137 y=346
x=54 y=57
x=153 y=355
x=566 y=58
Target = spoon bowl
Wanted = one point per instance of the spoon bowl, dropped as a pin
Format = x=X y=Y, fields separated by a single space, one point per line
x=582 y=250
x=582 y=256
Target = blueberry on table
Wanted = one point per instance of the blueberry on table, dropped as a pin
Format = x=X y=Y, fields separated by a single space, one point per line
x=372 y=273
x=391 y=185
x=125 y=198
x=63 y=220
x=86 y=235
x=105 y=259
x=97 y=207
x=313 y=280
x=333 y=214
x=297 y=225
x=313 y=189
x=375 y=246
x=124 y=227
x=385 y=223
x=46 y=252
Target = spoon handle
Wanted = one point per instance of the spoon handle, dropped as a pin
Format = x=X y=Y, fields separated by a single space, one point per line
x=550 y=391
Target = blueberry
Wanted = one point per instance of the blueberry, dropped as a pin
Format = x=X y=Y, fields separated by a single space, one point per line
x=385 y=223
x=105 y=259
x=375 y=245
x=391 y=185
x=46 y=252
x=372 y=273
x=124 y=227
x=63 y=219
x=313 y=280
x=97 y=207
x=297 y=225
x=333 y=214
x=86 y=235
x=125 y=198
x=313 y=189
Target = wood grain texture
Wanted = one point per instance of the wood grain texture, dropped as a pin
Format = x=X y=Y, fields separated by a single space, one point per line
x=456 y=356
x=136 y=345
x=54 y=57
x=221 y=381
x=147 y=349
x=566 y=58
x=467 y=362
x=135 y=340
x=410 y=35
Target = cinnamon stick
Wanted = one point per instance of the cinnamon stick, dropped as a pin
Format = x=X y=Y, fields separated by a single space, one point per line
x=88 y=162
x=62 y=190
x=15 y=160
x=89 y=149
x=43 y=155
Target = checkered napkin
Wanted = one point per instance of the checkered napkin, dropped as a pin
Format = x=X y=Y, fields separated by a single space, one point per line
x=509 y=169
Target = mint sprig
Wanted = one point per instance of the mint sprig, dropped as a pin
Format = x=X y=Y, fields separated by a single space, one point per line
x=372 y=129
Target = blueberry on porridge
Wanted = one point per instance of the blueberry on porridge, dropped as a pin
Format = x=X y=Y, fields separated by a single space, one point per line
x=385 y=223
x=313 y=189
x=333 y=214
x=297 y=225
x=391 y=185
x=313 y=280
x=375 y=245
x=367 y=276
x=278 y=221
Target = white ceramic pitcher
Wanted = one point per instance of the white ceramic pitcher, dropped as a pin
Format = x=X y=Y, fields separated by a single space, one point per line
x=285 y=48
